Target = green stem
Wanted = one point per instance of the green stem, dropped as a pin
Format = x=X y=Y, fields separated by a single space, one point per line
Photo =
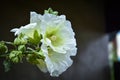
x=4 y=55
x=30 y=49
x=28 y=52
x=37 y=47
x=11 y=43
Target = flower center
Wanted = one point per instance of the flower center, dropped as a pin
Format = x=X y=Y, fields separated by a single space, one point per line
x=53 y=38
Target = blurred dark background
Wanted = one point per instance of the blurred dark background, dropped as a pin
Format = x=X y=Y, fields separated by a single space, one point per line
x=92 y=21
x=112 y=15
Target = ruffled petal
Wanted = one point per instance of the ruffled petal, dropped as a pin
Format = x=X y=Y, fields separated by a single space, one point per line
x=56 y=63
x=27 y=30
x=35 y=18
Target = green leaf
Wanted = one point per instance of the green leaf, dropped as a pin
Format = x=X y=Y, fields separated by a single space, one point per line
x=22 y=48
x=36 y=38
x=33 y=57
x=7 y=65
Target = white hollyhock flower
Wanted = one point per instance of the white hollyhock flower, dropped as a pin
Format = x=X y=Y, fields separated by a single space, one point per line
x=57 y=33
x=58 y=43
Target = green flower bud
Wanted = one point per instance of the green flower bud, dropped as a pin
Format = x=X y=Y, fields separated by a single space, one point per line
x=3 y=48
x=50 y=11
x=35 y=57
x=20 y=40
x=22 y=48
x=32 y=58
x=15 y=59
x=7 y=65
x=16 y=56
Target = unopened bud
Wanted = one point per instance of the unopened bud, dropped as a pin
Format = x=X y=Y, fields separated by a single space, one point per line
x=3 y=48
x=19 y=41
x=16 y=56
x=22 y=48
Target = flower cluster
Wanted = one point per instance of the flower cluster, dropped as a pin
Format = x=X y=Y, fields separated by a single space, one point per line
x=47 y=41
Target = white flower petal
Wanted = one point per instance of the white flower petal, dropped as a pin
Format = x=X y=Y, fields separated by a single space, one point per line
x=53 y=18
x=57 y=63
x=28 y=30
x=35 y=18
x=15 y=30
x=59 y=49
